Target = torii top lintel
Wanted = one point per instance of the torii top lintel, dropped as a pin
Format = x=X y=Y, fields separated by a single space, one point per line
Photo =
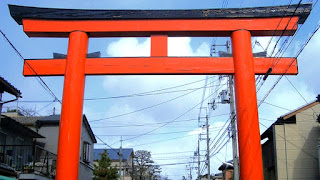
x=260 y=21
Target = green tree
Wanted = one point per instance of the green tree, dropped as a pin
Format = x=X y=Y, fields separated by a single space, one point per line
x=104 y=171
x=144 y=167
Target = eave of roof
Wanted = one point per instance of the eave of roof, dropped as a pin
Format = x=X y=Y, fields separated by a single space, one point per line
x=282 y=119
x=5 y=86
x=300 y=109
x=27 y=120
x=16 y=126
x=86 y=123
x=24 y=12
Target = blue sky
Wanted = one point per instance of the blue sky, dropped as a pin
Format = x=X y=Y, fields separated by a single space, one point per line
x=283 y=95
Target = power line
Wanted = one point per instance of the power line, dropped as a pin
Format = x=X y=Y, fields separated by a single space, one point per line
x=148 y=93
x=297 y=55
x=290 y=142
x=40 y=80
x=299 y=93
x=170 y=121
x=284 y=13
x=281 y=49
x=106 y=144
x=180 y=152
x=117 y=97
x=148 y=124
x=151 y=134
x=145 y=108
x=153 y=142
x=214 y=153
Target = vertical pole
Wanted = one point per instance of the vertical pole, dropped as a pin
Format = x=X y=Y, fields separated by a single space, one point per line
x=233 y=126
x=1 y=103
x=234 y=131
x=246 y=105
x=208 y=147
x=120 y=159
x=190 y=171
x=72 y=105
x=199 y=136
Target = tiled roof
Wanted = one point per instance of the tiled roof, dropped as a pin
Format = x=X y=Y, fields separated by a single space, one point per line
x=10 y=123
x=5 y=86
x=113 y=153
x=52 y=120
x=27 y=120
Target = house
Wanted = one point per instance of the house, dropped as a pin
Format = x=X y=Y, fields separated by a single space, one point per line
x=127 y=160
x=226 y=170
x=17 y=147
x=48 y=126
x=290 y=150
x=5 y=86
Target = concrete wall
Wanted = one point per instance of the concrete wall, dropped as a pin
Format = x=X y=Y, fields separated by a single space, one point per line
x=296 y=148
x=51 y=132
x=51 y=141
x=86 y=169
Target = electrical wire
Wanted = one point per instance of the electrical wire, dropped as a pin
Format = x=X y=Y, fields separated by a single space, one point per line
x=145 y=108
x=154 y=92
x=311 y=155
x=297 y=55
x=299 y=93
x=40 y=80
x=153 y=142
x=148 y=124
x=169 y=121
x=151 y=134
x=148 y=93
x=106 y=144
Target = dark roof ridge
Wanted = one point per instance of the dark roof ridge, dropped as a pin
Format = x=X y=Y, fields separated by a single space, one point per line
x=9 y=88
x=25 y=12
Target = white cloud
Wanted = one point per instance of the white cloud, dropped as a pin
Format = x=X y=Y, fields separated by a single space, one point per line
x=196 y=131
x=129 y=47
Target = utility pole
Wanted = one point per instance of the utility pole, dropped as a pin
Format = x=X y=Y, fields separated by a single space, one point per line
x=208 y=151
x=120 y=156
x=190 y=171
x=198 y=153
x=233 y=125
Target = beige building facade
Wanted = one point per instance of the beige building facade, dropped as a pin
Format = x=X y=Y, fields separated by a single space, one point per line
x=291 y=149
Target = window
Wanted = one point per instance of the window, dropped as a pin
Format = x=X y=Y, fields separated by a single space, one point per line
x=86 y=152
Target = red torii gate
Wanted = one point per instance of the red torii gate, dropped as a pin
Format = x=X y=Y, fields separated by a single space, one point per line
x=240 y=24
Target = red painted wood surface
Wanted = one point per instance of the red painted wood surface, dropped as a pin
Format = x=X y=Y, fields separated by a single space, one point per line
x=159 y=65
x=250 y=155
x=159 y=46
x=71 y=110
x=273 y=26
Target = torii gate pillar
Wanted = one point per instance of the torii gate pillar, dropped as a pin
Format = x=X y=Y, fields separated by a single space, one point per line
x=72 y=105
x=246 y=106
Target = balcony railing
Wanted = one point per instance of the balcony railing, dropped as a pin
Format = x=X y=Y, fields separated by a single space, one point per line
x=28 y=159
